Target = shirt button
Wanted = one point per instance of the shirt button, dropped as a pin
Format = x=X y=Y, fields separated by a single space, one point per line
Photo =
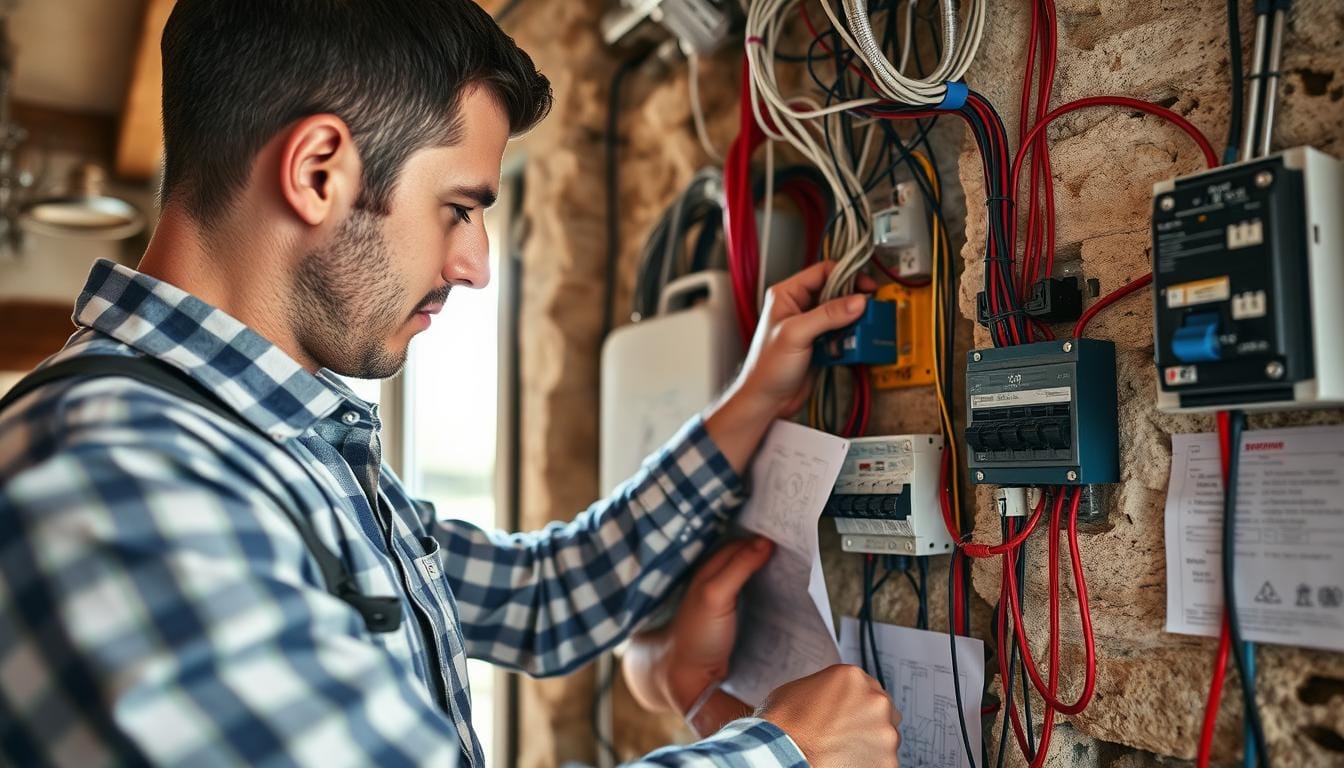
x=350 y=417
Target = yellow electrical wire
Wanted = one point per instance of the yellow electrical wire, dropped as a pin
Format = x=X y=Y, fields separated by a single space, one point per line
x=941 y=246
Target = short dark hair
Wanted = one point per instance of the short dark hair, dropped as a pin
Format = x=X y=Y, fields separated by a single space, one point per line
x=236 y=72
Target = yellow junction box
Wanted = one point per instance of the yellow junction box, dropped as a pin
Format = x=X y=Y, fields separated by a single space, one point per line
x=914 y=338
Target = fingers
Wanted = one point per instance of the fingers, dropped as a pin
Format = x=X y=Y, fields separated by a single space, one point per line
x=802 y=330
x=802 y=288
x=716 y=562
x=721 y=591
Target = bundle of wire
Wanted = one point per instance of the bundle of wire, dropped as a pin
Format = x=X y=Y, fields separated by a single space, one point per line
x=697 y=209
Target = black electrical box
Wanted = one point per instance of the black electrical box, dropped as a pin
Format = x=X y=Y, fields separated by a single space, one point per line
x=1246 y=277
x=1043 y=414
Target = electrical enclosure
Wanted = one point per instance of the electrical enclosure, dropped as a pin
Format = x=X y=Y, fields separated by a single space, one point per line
x=901 y=233
x=886 y=498
x=657 y=373
x=1043 y=414
x=914 y=338
x=1248 y=277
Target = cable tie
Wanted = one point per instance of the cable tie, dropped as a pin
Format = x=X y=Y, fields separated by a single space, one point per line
x=757 y=39
x=999 y=199
x=955 y=98
x=978 y=551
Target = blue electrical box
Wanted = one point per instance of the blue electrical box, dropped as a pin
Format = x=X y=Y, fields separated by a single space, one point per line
x=871 y=340
x=1043 y=414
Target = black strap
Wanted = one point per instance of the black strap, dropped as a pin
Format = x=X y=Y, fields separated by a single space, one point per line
x=380 y=614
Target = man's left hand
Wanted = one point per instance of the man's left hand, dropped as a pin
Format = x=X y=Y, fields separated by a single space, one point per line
x=670 y=667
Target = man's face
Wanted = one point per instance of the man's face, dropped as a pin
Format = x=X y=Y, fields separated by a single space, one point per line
x=377 y=282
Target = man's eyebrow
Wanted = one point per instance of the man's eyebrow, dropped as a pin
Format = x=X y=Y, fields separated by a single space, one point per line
x=482 y=194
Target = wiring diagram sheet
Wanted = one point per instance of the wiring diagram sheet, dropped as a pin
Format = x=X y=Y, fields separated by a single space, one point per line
x=785 y=627
x=1290 y=536
x=916 y=666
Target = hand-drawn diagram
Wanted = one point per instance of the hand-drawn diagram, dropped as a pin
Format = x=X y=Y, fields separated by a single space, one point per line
x=917 y=669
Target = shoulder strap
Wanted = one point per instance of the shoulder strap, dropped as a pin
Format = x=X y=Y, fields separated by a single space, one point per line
x=381 y=614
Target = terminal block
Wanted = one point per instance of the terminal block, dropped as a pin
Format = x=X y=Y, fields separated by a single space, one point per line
x=1043 y=414
x=1052 y=300
x=886 y=498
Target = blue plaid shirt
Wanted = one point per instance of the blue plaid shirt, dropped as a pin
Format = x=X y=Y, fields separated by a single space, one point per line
x=158 y=606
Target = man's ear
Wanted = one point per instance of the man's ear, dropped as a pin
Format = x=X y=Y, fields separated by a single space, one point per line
x=320 y=170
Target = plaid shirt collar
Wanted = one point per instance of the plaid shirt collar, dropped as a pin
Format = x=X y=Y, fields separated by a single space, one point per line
x=266 y=386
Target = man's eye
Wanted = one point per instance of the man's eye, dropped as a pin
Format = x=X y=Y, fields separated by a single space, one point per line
x=463 y=214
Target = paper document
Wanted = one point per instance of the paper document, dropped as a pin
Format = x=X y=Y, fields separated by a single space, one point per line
x=1290 y=536
x=917 y=669
x=785 y=630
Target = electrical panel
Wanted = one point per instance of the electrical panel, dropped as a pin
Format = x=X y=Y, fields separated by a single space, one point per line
x=1248 y=276
x=901 y=233
x=914 y=338
x=870 y=340
x=1043 y=414
x=886 y=498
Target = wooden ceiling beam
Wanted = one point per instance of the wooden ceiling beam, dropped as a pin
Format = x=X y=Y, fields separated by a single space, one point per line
x=140 y=145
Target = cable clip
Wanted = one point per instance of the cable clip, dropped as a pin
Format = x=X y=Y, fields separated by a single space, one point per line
x=955 y=98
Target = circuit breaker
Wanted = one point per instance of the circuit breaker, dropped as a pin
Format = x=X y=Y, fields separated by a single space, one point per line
x=914 y=338
x=1043 y=414
x=1248 y=276
x=901 y=233
x=886 y=498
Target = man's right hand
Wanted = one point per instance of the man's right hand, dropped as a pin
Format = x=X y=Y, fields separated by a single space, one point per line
x=839 y=717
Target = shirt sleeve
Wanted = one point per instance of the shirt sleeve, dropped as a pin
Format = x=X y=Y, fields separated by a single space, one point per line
x=746 y=742
x=547 y=602
x=156 y=607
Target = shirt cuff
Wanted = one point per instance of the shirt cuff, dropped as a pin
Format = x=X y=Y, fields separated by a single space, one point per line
x=757 y=742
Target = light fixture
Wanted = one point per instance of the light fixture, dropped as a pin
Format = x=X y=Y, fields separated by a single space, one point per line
x=81 y=209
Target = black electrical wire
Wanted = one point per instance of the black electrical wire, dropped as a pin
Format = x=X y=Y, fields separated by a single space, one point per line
x=923 y=593
x=1251 y=711
x=1234 y=126
x=952 y=643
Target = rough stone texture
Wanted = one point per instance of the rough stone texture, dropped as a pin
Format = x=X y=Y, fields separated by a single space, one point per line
x=1151 y=685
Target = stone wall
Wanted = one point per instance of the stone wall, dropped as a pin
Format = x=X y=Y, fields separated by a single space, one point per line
x=1151 y=685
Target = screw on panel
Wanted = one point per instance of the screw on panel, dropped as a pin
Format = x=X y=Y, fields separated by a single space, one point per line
x=849 y=543
x=1068 y=346
x=1274 y=370
x=980 y=476
x=976 y=357
x=909 y=546
x=1072 y=476
x=1264 y=179
x=1166 y=203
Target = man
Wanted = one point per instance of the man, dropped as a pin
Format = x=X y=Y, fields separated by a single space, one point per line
x=234 y=578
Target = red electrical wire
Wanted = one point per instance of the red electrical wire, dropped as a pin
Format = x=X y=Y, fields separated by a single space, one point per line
x=1224 y=634
x=1084 y=615
x=975 y=550
x=1108 y=300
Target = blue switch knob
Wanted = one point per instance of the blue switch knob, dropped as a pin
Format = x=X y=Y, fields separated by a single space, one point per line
x=1196 y=341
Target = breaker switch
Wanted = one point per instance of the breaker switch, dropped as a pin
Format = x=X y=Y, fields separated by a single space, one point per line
x=1196 y=341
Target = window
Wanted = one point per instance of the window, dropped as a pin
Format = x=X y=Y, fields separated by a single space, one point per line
x=447 y=425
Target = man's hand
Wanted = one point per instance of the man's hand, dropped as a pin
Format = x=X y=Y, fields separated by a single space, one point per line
x=838 y=717
x=669 y=668
x=774 y=381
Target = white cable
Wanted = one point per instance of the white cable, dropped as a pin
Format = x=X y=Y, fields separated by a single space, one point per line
x=768 y=200
x=698 y=109
x=909 y=40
